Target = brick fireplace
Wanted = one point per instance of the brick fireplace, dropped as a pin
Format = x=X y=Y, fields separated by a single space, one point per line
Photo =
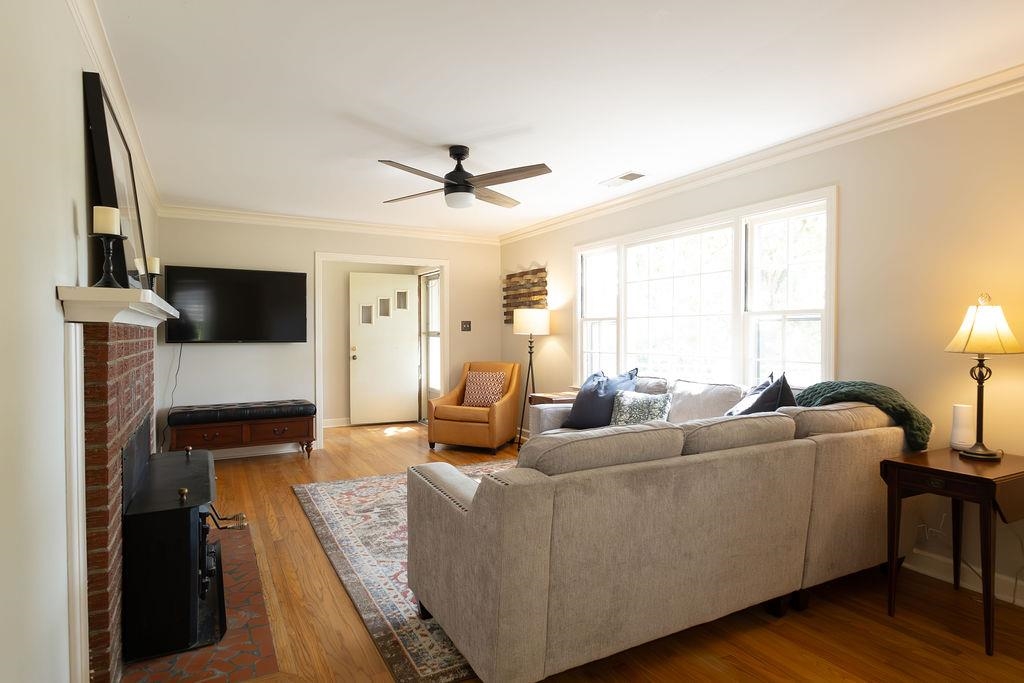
x=118 y=364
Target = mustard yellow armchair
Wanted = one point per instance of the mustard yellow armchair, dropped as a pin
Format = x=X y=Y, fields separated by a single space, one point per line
x=448 y=421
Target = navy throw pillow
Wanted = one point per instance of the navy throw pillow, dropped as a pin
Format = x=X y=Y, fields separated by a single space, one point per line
x=768 y=399
x=596 y=398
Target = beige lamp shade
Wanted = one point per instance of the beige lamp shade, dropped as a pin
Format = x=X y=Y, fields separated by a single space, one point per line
x=984 y=331
x=536 y=321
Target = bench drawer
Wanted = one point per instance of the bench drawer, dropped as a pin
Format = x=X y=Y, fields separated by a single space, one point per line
x=281 y=430
x=207 y=436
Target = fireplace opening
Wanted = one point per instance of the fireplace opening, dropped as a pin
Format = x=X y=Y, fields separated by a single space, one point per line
x=135 y=461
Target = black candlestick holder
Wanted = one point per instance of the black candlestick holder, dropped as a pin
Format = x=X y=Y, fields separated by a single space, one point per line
x=152 y=280
x=108 y=279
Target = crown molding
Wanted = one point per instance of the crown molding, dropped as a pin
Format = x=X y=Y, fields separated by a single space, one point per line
x=992 y=87
x=197 y=213
x=87 y=17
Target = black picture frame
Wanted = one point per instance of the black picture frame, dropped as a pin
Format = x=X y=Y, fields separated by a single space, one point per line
x=112 y=175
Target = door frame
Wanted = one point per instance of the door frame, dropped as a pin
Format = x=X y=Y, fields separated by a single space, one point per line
x=425 y=397
x=321 y=260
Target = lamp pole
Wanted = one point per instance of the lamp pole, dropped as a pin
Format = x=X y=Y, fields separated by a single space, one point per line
x=528 y=387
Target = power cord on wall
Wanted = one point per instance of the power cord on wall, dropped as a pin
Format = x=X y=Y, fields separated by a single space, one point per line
x=929 y=532
x=174 y=387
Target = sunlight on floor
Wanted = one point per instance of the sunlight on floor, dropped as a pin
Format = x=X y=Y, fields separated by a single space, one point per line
x=395 y=431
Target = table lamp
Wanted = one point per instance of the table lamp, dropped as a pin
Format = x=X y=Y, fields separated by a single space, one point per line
x=983 y=332
x=531 y=321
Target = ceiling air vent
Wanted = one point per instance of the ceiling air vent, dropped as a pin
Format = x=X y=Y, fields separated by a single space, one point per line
x=621 y=179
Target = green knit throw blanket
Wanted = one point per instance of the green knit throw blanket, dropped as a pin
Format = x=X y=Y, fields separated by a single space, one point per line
x=916 y=425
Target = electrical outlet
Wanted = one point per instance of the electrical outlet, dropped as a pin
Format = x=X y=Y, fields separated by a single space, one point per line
x=467 y=326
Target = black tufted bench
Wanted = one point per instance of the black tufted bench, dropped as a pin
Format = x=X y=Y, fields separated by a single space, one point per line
x=231 y=425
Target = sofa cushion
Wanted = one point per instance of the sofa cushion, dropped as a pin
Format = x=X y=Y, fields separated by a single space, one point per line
x=633 y=407
x=734 y=431
x=571 y=451
x=461 y=413
x=594 y=402
x=765 y=398
x=483 y=388
x=230 y=412
x=848 y=416
x=696 y=400
x=651 y=385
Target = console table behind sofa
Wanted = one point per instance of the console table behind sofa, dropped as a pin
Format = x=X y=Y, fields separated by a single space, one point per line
x=232 y=425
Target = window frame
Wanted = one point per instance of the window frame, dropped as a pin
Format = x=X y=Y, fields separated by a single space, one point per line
x=742 y=361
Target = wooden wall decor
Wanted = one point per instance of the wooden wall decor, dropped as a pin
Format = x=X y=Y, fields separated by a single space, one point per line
x=525 y=289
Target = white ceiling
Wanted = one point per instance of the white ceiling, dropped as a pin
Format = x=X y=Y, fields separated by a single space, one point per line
x=285 y=107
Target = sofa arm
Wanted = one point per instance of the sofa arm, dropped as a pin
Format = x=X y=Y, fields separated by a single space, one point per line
x=479 y=560
x=547 y=416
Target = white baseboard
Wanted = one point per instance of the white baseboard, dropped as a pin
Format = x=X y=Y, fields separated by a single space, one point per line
x=337 y=422
x=256 y=451
x=941 y=567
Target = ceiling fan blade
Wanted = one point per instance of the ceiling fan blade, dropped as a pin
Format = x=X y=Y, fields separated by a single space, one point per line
x=410 y=169
x=492 y=197
x=509 y=175
x=413 y=196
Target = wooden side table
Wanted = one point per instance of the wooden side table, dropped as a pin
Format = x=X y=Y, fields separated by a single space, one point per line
x=997 y=488
x=555 y=397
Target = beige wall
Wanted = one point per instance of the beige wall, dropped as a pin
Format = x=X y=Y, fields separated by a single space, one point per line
x=336 y=325
x=929 y=215
x=213 y=373
x=44 y=214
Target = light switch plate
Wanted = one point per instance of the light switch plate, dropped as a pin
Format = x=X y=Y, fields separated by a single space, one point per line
x=467 y=326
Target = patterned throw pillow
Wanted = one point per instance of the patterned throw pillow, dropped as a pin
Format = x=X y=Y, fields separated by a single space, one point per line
x=483 y=389
x=632 y=407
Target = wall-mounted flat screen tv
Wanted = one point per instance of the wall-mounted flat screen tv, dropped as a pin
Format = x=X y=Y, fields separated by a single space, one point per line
x=230 y=305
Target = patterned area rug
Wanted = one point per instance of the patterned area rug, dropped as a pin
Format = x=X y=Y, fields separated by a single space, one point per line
x=361 y=524
x=247 y=649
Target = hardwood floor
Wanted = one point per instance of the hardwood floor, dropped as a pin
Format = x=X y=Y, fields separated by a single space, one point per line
x=844 y=635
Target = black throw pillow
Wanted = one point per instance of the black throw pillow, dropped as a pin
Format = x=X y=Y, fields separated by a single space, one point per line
x=596 y=398
x=771 y=398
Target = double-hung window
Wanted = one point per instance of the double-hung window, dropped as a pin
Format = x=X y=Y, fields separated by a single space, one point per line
x=728 y=298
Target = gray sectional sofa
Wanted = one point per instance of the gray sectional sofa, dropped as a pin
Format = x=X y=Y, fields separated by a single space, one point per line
x=600 y=540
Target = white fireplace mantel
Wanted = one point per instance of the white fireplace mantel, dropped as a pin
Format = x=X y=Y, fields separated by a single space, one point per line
x=111 y=305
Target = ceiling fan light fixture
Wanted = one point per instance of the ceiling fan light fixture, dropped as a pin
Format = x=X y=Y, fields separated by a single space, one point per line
x=459 y=199
x=460 y=187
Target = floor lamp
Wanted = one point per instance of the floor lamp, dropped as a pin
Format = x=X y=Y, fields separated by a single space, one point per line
x=984 y=331
x=531 y=321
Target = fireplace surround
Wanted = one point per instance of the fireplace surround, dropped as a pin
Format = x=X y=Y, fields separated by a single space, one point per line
x=118 y=404
x=109 y=398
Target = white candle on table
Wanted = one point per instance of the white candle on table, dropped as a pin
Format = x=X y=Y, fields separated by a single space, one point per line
x=106 y=220
x=153 y=265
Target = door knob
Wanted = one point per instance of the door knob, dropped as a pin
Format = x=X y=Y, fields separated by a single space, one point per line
x=354 y=356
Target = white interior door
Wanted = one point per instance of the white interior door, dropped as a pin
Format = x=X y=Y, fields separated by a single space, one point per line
x=384 y=348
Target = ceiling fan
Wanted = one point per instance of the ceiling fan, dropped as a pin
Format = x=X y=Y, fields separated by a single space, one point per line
x=460 y=186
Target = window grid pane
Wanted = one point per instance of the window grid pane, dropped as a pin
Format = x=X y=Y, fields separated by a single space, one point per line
x=599 y=297
x=673 y=306
x=679 y=306
x=787 y=343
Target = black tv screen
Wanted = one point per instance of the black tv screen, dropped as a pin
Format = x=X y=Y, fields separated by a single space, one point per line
x=229 y=305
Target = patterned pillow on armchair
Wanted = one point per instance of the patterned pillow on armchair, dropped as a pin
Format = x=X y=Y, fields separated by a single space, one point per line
x=483 y=389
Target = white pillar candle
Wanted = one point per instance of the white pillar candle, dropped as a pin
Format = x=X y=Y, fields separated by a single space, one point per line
x=139 y=266
x=106 y=220
x=153 y=265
